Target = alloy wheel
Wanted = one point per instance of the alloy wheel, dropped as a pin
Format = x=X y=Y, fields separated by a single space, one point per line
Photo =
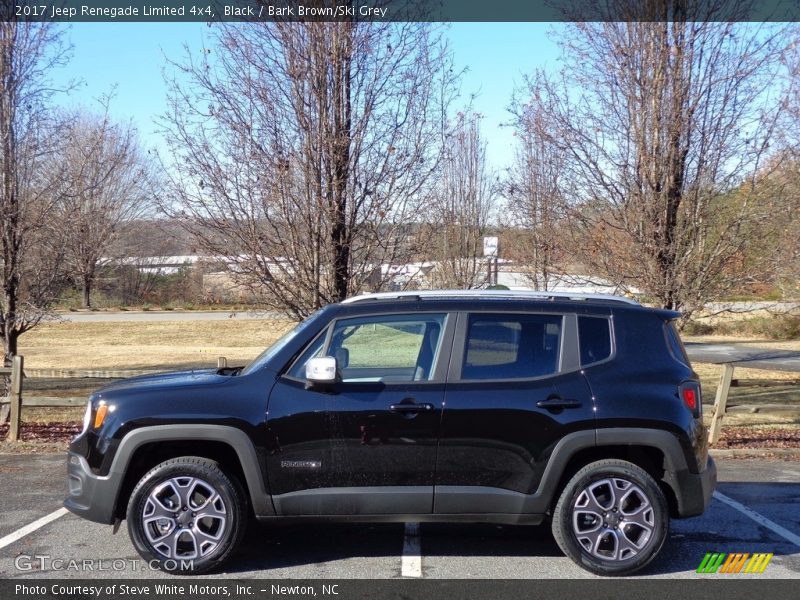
x=184 y=518
x=613 y=519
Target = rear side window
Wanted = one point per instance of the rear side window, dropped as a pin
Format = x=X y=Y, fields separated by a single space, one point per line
x=675 y=344
x=507 y=346
x=595 y=339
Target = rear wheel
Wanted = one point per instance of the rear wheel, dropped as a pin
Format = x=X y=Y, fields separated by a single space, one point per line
x=611 y=518
x=186 y=515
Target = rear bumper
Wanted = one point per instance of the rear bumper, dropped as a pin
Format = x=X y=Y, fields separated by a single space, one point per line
x=693 y=490
x=90 y=496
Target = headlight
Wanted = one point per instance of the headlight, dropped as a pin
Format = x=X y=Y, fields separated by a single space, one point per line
x=87 y=417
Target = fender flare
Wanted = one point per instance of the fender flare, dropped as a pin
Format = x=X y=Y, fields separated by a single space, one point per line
x=675 y=465
x=235 y=438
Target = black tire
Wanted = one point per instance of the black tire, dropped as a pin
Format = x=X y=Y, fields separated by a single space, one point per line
x=613 y=546
x=195 y=541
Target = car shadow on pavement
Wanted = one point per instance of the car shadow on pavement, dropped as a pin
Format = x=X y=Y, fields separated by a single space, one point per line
x=278 y=546
x=285 y=546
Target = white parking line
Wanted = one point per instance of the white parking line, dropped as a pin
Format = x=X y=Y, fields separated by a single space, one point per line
x=760 y=519
x=31 y=527
x=412 y=561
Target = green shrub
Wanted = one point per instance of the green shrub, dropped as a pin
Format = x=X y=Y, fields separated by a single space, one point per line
x=773 y=327
x=698 y=328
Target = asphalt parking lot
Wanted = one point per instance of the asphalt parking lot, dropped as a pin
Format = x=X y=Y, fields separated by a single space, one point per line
x=755 y=510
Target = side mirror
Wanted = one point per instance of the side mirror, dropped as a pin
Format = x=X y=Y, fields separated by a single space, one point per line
x=321 y=370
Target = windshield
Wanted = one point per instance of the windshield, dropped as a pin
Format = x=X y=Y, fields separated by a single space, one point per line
x=287 y=337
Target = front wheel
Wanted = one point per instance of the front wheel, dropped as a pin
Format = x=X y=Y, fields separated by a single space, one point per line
x=611 y=518
x=186 y=516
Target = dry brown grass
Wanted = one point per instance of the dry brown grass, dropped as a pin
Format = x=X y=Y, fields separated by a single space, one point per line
x=148 y=344
x=755 y=342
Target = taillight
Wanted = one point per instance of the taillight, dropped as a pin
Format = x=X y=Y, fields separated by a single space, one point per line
x=689 y=392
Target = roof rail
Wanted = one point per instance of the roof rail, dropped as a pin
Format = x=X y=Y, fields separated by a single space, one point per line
x=500 y=294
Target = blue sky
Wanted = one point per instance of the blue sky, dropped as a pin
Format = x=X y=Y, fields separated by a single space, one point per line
x=130 y=56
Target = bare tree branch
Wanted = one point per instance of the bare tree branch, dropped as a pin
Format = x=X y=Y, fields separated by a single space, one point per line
x=108 y=182
x=303 y=151
x=30 y=239
x=666 y=130
x=461 y=207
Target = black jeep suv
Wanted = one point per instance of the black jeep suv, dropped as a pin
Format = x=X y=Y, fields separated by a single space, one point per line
x=500 y=407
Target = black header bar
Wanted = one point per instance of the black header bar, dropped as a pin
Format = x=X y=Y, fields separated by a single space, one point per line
x=106 y=588
x=398 y=10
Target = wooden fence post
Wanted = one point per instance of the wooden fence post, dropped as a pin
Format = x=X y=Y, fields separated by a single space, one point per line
x=15 y=397
x=720 y=404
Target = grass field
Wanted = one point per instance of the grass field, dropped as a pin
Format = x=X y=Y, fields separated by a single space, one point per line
x=167 y=344
x=164 y=345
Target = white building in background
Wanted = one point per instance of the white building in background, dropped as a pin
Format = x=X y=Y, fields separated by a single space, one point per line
x=418 y=275
x=410 y=275
x=220 y=273
x=563 y=282
x=163 y=265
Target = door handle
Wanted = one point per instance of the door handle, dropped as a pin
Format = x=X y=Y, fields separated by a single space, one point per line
x=556 y=403
x=411 y=408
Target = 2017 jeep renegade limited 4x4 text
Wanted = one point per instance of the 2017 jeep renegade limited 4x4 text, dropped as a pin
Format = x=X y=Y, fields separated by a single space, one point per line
x=497 y=407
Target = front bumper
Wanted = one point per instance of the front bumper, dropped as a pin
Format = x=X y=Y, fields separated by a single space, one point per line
x=90 y=496
x=694 y=490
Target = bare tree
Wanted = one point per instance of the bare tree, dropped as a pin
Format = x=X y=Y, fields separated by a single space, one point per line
x=30 y=240
x=784 y=180
x=461 y=207
x=666 y=122
x=534 y=187
x=108 y=183
x=304 y=150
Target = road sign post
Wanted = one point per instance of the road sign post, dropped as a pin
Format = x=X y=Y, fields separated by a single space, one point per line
x=491 y=247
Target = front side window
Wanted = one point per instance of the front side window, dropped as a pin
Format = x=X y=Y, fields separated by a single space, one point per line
x=511 y=346
x=388 y=348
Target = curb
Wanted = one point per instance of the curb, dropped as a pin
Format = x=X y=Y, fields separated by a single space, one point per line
x=754 y=452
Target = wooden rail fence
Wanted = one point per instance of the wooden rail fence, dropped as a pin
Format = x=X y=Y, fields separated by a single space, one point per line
x=731 y=356
x=11 y=406
x=14 y=402
x=14 y=396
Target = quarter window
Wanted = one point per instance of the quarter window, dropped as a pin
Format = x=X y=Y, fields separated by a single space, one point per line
x=595 y=339
x=511 y=346
x=675 y=343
